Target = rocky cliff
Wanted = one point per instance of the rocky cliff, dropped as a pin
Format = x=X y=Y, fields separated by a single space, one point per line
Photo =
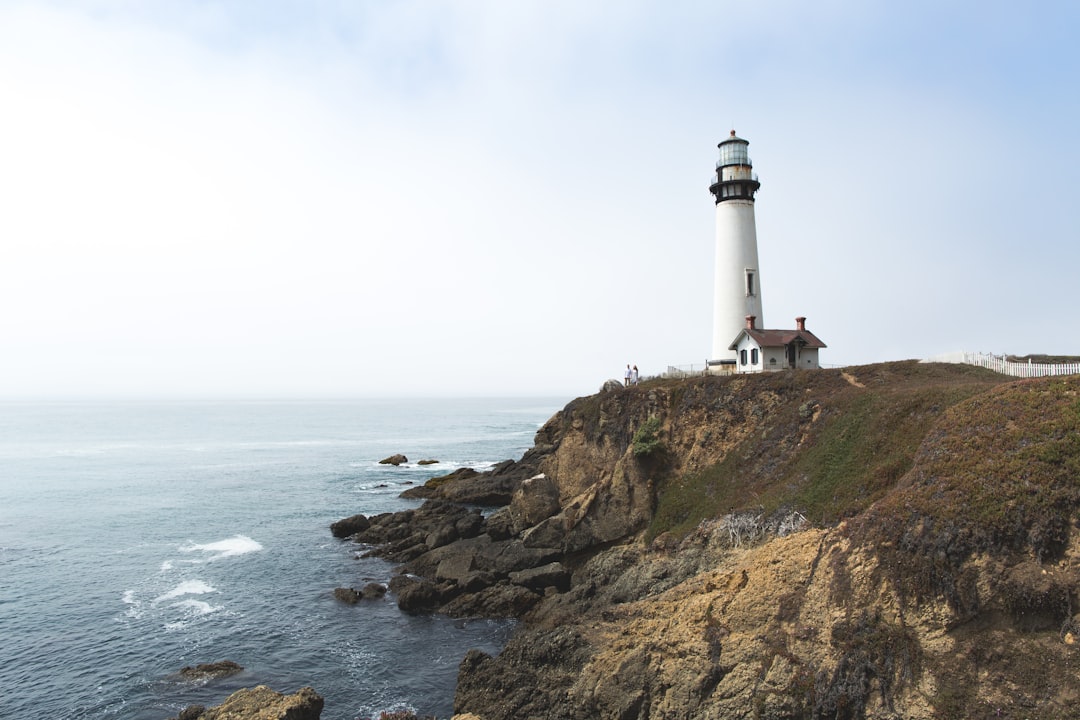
x=891 y=541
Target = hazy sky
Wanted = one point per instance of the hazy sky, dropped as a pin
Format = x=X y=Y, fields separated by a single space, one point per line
x=333 y=198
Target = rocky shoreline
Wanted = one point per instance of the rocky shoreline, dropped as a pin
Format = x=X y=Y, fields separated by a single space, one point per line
x=793 y=545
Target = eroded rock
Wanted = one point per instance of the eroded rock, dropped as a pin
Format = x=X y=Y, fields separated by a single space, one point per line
x=260 y=703
x=538 y=578
x=534 y=501
x=211 y=671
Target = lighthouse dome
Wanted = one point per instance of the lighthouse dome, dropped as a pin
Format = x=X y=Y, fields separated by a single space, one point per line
x=733 y=151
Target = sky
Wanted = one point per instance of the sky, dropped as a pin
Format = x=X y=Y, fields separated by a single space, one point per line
x=332 y=199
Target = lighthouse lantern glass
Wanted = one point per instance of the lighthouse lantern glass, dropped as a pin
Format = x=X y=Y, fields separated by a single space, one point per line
x=734 y=153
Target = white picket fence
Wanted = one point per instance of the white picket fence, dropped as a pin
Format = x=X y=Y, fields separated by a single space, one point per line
x=998 y=363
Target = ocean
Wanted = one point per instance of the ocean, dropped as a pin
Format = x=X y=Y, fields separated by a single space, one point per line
x=138 y=538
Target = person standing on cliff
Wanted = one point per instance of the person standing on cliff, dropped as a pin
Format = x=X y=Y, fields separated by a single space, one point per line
x=627 y=375
x=634 y=376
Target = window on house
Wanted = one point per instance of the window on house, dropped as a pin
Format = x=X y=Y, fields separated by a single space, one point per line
x=753 y=356
x=742 y=356
x=750 y=282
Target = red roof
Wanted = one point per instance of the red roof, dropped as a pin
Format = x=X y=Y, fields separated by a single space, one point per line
x=779 y=338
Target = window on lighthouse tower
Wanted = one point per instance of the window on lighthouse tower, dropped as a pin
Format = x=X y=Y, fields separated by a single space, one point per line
x=750 y=283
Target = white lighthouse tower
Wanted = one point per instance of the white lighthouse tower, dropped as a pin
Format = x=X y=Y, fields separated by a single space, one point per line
x=738 y=279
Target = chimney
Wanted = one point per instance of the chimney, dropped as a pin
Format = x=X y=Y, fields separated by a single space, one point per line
x=750 y=322
x=800 y=323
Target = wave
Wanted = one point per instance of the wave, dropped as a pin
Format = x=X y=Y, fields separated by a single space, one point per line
x=439 y=468
x=197 y=607
x=134 y=609
x=188 y=587
x=230 y=547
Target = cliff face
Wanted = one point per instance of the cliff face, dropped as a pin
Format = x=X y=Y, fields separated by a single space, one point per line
x=893 y=541
x=936 y=575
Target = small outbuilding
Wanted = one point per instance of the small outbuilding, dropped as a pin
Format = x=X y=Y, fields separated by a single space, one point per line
x=759 y=350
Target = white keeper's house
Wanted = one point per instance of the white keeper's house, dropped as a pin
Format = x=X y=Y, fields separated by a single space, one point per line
x=760 y=350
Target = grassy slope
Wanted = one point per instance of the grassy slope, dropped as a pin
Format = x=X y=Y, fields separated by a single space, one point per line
x=999 y=473
x=838 y=443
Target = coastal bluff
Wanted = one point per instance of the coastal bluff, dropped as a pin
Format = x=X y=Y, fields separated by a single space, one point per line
x=886 y=541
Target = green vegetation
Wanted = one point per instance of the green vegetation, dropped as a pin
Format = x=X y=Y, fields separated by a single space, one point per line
x=646 y=440
x=829 y=450
x=999 y=473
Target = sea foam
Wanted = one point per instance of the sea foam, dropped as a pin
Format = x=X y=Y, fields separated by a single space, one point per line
x=196 y=607
x=134 y=609
x=189 y=587
x=230 y=547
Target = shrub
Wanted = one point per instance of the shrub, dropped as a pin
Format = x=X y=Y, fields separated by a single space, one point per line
x=647 y=438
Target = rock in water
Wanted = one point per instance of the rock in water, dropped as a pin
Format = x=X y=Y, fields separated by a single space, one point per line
x=211 y=671
x=350 y=526
x=261 y=703
x=373 y=591
x=351 y=596
x=348 y=596
x=394 y=460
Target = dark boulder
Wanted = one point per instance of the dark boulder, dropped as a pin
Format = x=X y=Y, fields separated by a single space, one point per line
x=350 y=526
x=444 y=534
x=191 y=712
x=545 y=576
x=351 y=596
x=471 y=525
x=500 y=524
x=408 y=549
x=434 y=487
x=414 y=594
x=394 y=460
x=348 y=596
x=373 y=591
x=385 y=527
x=428 y=462
x=502 y=600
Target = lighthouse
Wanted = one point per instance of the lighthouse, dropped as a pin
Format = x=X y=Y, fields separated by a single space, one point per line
x=737 y=285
